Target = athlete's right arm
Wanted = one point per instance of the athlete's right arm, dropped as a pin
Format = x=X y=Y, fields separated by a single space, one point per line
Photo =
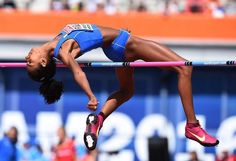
x=81 y=79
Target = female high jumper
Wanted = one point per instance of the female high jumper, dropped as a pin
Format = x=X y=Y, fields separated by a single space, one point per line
x=118 y=45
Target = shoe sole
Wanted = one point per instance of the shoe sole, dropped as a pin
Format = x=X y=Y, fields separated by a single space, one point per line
x=90 y=139
x=209 y=144
x=204 y=144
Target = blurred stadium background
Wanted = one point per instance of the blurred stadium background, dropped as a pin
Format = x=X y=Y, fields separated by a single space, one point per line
x=195 y=29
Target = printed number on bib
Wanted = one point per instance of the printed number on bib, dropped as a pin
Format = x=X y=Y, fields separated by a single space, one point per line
x=82 y=27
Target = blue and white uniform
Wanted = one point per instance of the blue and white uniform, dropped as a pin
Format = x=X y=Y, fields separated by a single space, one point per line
x=90 y=37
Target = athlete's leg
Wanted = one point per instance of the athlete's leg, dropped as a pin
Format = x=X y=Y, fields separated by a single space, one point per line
x=151 y=51
x=95 y=122
x=126 y=82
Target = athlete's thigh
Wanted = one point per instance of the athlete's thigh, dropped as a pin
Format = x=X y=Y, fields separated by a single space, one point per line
x=151 y=51
x=125 y=76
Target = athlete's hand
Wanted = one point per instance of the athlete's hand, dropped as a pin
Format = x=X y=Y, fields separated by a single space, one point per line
x=93 y=103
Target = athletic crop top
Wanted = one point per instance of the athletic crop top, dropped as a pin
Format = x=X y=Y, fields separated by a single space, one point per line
x=87 y=36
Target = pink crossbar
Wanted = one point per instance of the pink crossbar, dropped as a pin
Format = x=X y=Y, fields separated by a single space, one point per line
x=132 y=64
x=157 y=64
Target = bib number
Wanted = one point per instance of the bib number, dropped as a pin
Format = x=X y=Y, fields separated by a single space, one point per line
x=82 y=27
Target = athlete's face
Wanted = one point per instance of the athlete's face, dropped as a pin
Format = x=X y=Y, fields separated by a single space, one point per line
x=35 y=59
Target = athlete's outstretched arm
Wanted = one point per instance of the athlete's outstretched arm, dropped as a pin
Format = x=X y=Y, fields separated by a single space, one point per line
x=81 y=79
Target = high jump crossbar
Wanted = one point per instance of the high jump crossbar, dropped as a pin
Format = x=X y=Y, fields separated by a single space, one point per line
x=132 y=64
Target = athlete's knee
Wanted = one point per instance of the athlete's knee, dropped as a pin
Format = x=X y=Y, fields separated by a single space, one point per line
x=185 y=71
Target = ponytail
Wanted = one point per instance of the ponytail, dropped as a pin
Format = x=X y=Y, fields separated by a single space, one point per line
x=51 y=90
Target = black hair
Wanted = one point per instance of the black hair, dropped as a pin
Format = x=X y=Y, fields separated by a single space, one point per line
x=50 y=88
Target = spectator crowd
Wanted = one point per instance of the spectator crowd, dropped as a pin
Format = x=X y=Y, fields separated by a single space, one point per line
x=217 y=8
x=65 y=150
